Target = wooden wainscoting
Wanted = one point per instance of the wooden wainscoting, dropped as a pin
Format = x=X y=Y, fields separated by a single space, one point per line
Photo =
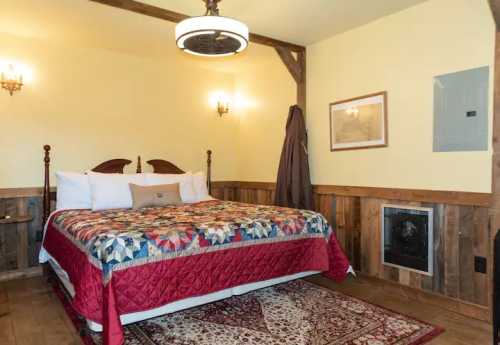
x=461 y=231
x=21 y=235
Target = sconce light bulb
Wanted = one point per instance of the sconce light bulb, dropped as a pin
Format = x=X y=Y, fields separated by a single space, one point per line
x=11 y=79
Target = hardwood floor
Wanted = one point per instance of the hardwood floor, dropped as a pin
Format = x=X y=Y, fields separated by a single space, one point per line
x=30 y=313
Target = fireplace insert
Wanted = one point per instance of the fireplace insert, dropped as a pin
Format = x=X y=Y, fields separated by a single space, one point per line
x=407 y=238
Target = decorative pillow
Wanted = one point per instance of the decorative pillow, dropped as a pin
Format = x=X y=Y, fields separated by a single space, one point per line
x=111 y=191
x=73 y=191
x=185 y=182
x=200 y=186
x=159 y=195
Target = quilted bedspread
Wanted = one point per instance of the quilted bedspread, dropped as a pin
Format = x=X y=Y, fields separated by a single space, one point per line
x=124 y=261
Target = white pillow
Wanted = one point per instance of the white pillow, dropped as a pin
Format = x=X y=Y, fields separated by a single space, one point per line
x=73 y=191
x=111 y=191
x=200 y=186
x=185 y=182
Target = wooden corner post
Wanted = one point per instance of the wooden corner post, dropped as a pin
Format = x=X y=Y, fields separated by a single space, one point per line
x=494 y=212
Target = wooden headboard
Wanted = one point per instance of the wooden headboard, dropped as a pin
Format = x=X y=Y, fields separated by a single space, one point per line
x=116 y=166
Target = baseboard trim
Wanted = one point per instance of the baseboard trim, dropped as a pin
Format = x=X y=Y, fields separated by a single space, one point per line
x=21 y=274
x=471 y=310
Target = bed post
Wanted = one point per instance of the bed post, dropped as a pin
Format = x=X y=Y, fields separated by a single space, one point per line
x=209 y=171
x=46 y=186
x=139 y=166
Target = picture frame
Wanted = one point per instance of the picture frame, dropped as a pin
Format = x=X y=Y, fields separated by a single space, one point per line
x=359 y=123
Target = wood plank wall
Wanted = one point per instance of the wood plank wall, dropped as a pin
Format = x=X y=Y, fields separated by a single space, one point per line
x=20 y=242
x=461 y=231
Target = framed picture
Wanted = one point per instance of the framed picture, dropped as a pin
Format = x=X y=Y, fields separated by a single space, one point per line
x=359 y=123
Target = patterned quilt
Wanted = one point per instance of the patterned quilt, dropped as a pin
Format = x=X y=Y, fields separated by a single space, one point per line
x=117 y=238
x=126 y=261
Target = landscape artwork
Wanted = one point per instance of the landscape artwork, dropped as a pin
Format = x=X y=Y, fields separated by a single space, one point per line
x=359 y=122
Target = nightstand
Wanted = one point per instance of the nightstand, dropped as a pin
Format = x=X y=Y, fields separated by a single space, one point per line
x=18 y=223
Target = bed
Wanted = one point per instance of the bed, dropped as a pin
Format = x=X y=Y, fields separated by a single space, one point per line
x=122 y=266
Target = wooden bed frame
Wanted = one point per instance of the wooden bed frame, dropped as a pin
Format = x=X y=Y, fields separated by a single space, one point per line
x=116 y=166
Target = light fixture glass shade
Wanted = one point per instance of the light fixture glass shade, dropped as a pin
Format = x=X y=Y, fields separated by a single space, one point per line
x=211 y=36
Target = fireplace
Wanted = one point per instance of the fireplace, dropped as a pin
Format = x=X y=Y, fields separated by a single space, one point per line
x=407 y=238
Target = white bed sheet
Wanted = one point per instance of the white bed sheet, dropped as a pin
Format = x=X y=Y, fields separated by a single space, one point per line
x=181 y=304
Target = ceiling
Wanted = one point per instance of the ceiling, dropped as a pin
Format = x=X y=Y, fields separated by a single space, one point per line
x=302 y=22
x=83 y=23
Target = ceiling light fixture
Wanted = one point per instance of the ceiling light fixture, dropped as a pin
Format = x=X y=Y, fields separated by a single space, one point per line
x=212 y=34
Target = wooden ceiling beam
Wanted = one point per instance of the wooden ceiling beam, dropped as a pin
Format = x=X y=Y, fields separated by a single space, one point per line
x=271 y=42
x=297 y=68
x=291 y=63
x=495 y=8
x=175 y=17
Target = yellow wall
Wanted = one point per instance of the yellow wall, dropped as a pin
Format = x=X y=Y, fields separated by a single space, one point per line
x=112 y=84
x=267 y=90
x=401 y=54
x=92 y=105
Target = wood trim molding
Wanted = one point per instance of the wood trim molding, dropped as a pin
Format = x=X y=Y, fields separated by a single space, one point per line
x=21 y=274
x=433 y=196
x=24 y=192
x=175 y=17
x=225 y=184
x=472 y=310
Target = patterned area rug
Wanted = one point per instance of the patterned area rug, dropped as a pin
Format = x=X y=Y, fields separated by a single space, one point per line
x=294 y=313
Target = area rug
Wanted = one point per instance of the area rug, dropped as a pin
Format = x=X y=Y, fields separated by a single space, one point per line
x=294 y=313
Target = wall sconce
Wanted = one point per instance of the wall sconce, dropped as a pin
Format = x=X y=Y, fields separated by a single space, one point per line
x=222 y=107
x=220 y=101
x=11 y=79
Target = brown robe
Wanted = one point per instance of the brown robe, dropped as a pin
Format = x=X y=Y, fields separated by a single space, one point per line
x=293 y=186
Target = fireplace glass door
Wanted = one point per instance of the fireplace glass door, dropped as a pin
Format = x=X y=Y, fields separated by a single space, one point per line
x=407 y=238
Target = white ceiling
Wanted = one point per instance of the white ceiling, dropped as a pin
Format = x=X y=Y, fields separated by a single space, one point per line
x=298 y=21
